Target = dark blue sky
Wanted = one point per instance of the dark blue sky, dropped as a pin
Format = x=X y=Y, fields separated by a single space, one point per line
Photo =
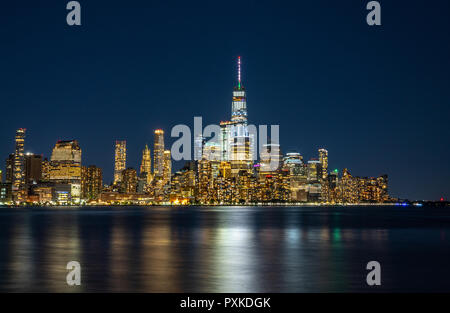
x=376 y=97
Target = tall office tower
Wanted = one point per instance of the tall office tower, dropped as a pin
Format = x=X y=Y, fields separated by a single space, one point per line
x=158 y=153
x=293 y=163
x=18 y=183
x=129 y=180
x=323 y=159
x=91 y=182
x=33 y=168
x=65 y=161
x=120 y=160
x=9 y=169
x=314 y=186
x=146 y=165
x=45 y=170
x=235 y=141
x=314 y=170
x=65 y=166
x=167 y=169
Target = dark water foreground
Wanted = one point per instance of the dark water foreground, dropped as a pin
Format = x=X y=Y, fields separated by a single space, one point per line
x=225 y=249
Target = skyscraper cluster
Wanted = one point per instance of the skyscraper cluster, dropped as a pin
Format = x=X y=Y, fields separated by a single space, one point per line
x=146 y=185
x=222 y=172
x=226 y=173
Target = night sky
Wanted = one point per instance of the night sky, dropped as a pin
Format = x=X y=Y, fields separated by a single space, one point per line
x=377 y=98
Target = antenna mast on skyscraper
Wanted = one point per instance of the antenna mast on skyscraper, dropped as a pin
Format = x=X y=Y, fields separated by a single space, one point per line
x=239 y=72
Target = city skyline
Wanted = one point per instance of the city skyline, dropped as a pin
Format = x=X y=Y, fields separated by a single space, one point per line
x=217 y=155
x=223 y=169
x=234 y=146
x=367 y=96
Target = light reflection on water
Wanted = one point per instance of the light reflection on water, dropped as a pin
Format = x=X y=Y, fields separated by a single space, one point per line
x=224 y=249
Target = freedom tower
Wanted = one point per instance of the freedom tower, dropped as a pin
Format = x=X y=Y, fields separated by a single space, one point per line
x=235 y=141
x=239 y=104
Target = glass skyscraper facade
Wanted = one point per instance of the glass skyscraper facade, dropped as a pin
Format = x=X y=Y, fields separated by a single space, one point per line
x=235 y=141
x=146 y=165
x=19 y=186
x=158 y=153
x=120 y=160
x=65 y=166
x=323 y=159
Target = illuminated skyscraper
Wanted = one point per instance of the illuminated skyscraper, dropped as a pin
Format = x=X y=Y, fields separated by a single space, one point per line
x=314 y=186
x=65 y=162
x=235 y=141
x=129 y=180
x=33 y=168
x=167 y=169
x=158 y=153
x=65 y=166
x=323 y=159
x=120 y=160
x=91 y=182
x=45 y=170
x=18 y=183
x=293 y=163
x=146 y=165
x=314 y=170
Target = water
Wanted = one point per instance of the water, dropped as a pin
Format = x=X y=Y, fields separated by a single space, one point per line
x=224 y=249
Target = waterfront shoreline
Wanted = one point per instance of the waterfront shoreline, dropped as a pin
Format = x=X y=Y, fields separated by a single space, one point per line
x=224 y=205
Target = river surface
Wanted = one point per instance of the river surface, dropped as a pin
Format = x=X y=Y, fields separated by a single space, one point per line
x=225 y=249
